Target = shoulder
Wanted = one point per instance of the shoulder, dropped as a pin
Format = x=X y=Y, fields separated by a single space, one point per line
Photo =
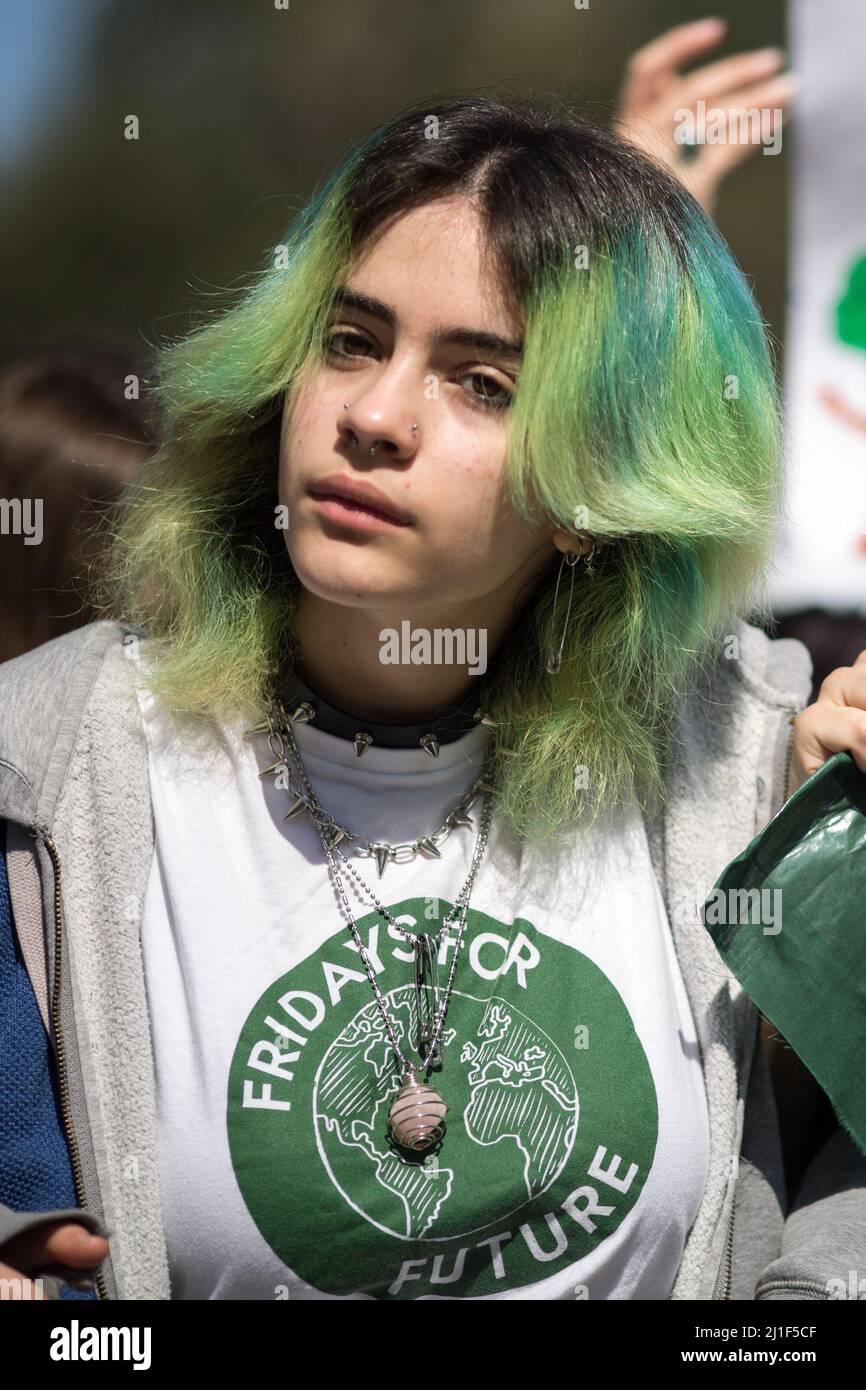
x=725 y=760
x=776 y=670
x=56 y=668
x=747 y=666
x=738 y=702
x=44 y=695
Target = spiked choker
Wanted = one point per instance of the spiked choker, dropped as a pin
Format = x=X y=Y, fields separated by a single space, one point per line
x=304 y=704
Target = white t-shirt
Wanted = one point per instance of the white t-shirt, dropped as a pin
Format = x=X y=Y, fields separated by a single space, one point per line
x=576 y=1148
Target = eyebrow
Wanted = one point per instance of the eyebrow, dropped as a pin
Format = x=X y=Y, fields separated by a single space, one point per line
x=443 y=336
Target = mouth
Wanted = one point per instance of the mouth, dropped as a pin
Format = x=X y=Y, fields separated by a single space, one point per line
x=338 y=505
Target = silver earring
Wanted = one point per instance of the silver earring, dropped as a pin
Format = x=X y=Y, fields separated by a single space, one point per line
x=590 y=544
x=554 y=659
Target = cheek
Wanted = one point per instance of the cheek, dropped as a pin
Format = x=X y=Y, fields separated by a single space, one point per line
x=309 y=422
x=476 y=526
x=471 y=492
x=468 y=473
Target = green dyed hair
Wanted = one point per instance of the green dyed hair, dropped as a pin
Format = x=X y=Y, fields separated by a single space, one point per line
x=646 y=411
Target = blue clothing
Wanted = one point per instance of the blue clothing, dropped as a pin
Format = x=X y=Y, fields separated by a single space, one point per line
x=35 y=1168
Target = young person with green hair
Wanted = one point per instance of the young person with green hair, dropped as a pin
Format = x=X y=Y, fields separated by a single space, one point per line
x=356 y=855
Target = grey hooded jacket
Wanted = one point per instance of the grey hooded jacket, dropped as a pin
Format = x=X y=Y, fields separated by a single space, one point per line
x=74 y=788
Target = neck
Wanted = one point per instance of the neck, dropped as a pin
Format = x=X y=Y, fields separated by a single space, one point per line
x=343 y=656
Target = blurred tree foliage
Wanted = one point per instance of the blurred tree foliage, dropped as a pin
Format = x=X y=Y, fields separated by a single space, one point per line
x=243 y=108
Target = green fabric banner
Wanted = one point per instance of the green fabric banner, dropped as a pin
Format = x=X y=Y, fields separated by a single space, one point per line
x=788 y=917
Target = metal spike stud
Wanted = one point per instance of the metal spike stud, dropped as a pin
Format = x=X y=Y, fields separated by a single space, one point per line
x=274 y=767
x=303 y=713
x=260 y=728
x=362 y=743
x=430 y=743
x=296 y=809
x=481 y=718
x=381 y=854
x=429 y=847
x=460 y=818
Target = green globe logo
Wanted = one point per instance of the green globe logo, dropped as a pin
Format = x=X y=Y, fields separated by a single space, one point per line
x=551 y=1129
x=512 y=1099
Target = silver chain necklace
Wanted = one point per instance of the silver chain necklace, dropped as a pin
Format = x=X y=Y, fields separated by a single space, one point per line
x=383 y=853
x=417 y=1114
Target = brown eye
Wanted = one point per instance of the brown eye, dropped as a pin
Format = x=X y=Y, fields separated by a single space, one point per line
x=484 y=398
x=347 y=335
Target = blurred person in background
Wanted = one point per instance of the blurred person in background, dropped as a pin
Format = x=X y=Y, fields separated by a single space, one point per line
x=75 y=427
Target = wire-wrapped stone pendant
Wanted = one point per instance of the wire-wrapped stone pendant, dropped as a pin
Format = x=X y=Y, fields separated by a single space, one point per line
x=417 y=1114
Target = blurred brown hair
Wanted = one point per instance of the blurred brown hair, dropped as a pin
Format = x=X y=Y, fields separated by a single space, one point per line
x=70 y=437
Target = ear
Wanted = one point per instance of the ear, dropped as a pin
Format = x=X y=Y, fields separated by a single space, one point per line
x=573 y=542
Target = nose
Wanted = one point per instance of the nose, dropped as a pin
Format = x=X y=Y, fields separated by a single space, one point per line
x=377 y=431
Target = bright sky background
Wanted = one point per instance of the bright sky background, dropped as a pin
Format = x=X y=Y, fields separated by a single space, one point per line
x=42 y=43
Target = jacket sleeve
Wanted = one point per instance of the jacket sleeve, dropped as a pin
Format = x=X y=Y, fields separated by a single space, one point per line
x=15 y=1223
x=823 y=1251
x=36 y=1181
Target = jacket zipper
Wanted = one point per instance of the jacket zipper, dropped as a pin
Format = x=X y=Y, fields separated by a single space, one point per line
x=729 y=1244
x=61 y=1052
x=790 y=758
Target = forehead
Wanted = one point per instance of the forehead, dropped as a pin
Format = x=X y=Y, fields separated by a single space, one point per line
x=430 y=266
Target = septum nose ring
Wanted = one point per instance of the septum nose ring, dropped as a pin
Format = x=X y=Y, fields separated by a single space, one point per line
x=413 y=429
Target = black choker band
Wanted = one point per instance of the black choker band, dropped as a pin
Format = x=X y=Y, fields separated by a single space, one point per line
x=451 y=723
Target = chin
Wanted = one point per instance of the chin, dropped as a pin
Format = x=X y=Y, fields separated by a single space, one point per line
x=355 y=576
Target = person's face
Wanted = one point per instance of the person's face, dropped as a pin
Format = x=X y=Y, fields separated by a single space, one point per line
x=461 y=540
